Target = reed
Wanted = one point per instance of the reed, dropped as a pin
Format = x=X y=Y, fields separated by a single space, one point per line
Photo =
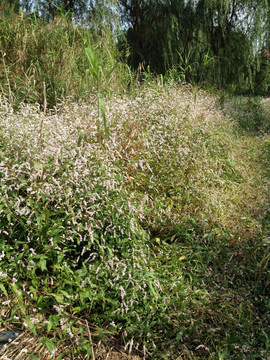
x=57 y=54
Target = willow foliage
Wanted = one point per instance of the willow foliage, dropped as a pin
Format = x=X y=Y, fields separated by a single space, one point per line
x=183 y=34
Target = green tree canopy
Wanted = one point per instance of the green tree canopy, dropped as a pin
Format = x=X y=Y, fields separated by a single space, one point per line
x=185 y=33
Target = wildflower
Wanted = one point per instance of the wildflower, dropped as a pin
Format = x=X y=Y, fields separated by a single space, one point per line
x=123 y=293
x=2 y=275
x=6 y=302
x=34 y=320
x=71 y=335
x=53 y=353
x=202 y=347
x=58 y=308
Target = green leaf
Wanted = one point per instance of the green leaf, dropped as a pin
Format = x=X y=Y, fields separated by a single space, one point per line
x=69 y=282
x=33 y=291
x=79 y=140
x=52 y=321
x=86 y=294
x=58 y=230
x=65 y=293
x=31 y=326
x=48 y=343
x=110 y=72
x=42 y=264
x=100 y=71
x=92 y=62
x=59 y=298
x=4 y=290
x=34 y=357
x=77 y=310
x=103 y=112
x=102 y=333
x=40 y=300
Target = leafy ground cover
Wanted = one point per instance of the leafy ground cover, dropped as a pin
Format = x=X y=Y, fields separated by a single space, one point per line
x=151 y=235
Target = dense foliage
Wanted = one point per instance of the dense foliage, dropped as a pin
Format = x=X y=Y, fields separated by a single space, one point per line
x=42 y=62
x=134 y=208
x=153 y=234
x=215 y=43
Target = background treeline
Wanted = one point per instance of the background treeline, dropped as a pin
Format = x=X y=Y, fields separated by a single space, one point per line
x=217 y=43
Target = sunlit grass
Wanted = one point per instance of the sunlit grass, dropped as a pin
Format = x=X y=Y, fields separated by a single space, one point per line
x=33 y=52
x=154 y=235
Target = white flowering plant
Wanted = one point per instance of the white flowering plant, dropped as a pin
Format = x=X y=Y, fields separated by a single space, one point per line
x=140 y=234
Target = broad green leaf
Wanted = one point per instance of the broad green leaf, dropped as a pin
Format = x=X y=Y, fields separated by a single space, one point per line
x=31 y=326
x=42 y=264
x=33 y=291
x=103 y=113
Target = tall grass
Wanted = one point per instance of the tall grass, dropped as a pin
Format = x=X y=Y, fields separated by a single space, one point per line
x=34 y=52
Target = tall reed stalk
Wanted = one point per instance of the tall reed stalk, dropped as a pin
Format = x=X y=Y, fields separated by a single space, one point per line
x=96 y=72
x=57 y=53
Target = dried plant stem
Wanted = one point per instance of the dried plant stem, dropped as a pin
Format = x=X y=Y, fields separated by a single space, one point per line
x=44 y=98
x=90 y=339
x=42 y=116
x=10 y=96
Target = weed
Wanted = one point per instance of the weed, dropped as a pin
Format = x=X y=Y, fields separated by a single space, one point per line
x=152 y=237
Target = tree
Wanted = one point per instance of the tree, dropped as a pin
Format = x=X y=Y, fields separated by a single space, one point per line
x=227 y=30
x=81 y=10
x=231 y=27
x=262 y=79
x=155 y=30
x=49 y=9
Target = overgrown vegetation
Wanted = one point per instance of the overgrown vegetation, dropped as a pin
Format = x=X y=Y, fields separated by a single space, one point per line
x=229 y=32
x=155 y=233
x=221 y=44
x=134 y=209
x=47 y=62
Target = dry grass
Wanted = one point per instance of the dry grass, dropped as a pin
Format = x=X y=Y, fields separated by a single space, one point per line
x=28 y=344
